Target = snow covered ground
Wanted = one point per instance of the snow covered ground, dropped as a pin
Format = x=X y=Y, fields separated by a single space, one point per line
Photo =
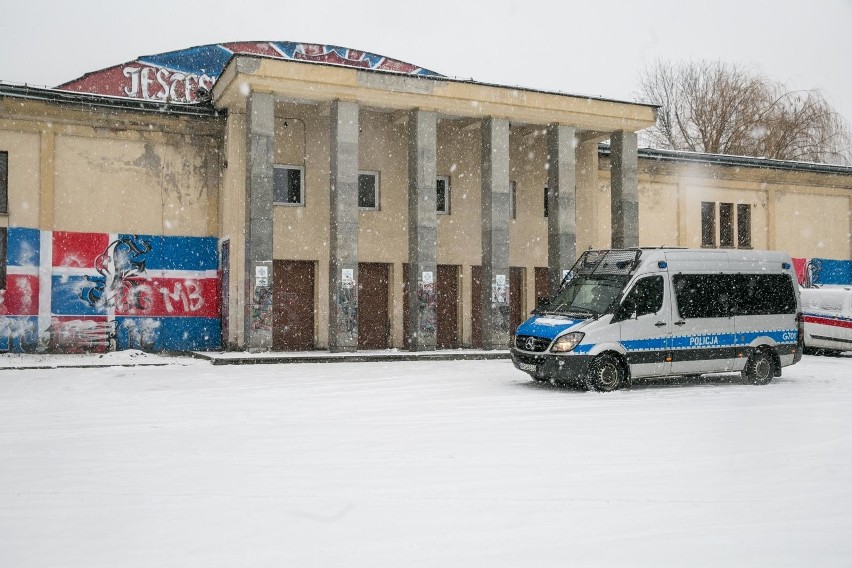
x=454 y=463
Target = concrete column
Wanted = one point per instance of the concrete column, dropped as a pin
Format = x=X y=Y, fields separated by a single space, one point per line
x=587 y=216
x=625 y=190
x=561 y=203
x=343 y=232
x=495 y=233
x=260 y=132
x=422 y=231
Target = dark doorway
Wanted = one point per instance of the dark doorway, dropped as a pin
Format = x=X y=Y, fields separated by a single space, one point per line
x=373 y=312
x=476 y=307
x=448 y=306
x=293 y=305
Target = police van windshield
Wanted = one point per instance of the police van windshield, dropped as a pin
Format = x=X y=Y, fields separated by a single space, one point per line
x=587 y=296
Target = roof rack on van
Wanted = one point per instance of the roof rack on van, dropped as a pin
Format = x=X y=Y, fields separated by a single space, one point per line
x=606 y=262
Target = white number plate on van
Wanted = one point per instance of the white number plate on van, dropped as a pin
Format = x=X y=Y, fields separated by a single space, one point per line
x=527 y=367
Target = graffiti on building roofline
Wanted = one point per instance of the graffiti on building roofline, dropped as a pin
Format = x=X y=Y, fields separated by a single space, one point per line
x=161 y=84
x=185 y=75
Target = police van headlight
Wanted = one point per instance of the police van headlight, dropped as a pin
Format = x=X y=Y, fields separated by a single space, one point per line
x=567 y=342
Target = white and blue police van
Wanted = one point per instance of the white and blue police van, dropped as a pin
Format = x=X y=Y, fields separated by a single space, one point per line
x=629 y=314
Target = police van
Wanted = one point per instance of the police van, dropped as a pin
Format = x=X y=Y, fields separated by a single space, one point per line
x=621 y=315
x=828 y=318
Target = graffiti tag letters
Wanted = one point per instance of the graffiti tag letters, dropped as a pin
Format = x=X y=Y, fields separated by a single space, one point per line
x=153 y=83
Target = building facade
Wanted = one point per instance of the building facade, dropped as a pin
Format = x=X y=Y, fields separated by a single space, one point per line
x=288 y=196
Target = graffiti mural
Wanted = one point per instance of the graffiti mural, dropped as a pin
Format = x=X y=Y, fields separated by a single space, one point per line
x=188 y=75
x=122 y=259
x=84 y=292
x=427 y=304
x=261 y=308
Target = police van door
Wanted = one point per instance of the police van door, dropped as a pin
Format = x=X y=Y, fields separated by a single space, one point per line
x=703 y=325
x=645 y=320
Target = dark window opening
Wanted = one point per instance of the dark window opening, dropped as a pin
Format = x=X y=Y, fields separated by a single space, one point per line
x=726 y=225
x=3 y=242
x=368 y=190
x=4 y=182
x=546 y=195
x=442 y=186
x=708 y=224
x=287 y=185
x=744 y=225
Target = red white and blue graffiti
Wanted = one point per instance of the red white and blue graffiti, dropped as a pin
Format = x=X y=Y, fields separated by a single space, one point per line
x=72 y=292
x=177 y=76
x=815 y=272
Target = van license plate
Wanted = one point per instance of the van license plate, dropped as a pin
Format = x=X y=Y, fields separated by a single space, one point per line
x=527 y=367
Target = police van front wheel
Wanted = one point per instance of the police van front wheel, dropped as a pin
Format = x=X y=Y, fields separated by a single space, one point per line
x=605 y=374
x=759 y=369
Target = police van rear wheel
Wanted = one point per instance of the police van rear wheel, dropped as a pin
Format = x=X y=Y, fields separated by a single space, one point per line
x=759 y=369
x=606 y=374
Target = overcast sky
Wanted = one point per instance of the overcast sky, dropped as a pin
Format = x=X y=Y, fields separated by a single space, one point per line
x=588 y=48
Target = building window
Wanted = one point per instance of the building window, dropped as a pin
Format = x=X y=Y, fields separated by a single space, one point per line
x=4 y=182
x=546 y=195
x=744 y=225
x=726 y=225
x=442 y=204
x=708 y=224
x=733 y=232
x=3 y=243
x=368 y=190
x=513 y=198
x=288 y=185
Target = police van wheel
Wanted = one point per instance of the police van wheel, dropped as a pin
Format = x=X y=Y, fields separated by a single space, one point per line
x=605 y=374
x=759 y=369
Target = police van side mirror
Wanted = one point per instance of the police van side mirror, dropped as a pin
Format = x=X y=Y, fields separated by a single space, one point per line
x=542 y=302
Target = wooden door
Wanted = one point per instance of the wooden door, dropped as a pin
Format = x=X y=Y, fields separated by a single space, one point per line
x=476 y=307
x=293 y=284
x=448 y=307
x=373 y=309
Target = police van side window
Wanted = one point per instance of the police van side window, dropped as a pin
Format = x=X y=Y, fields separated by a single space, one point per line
x=701 y=296
x=764 y=294
x=646 y=297
x=725 y=295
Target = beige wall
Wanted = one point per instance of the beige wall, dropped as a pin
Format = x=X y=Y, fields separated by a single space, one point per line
x=24 y=176
x=804 y=214
x=110 y=171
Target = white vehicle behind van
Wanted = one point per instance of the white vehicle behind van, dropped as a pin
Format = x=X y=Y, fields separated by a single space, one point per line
x=621 y=315
x=828 y=318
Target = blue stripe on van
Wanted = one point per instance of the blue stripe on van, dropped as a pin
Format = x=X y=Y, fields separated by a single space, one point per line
x=702 y=341
x=547 y=330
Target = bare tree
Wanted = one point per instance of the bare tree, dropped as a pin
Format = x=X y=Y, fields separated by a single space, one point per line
x=725 y=109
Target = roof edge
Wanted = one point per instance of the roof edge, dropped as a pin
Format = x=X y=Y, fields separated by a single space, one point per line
x=684 y=156
x=48 y=94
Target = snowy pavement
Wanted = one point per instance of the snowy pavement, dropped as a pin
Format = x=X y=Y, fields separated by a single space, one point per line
x=439 y=463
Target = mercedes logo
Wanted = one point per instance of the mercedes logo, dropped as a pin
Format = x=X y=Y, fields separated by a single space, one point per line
x=530 y=344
